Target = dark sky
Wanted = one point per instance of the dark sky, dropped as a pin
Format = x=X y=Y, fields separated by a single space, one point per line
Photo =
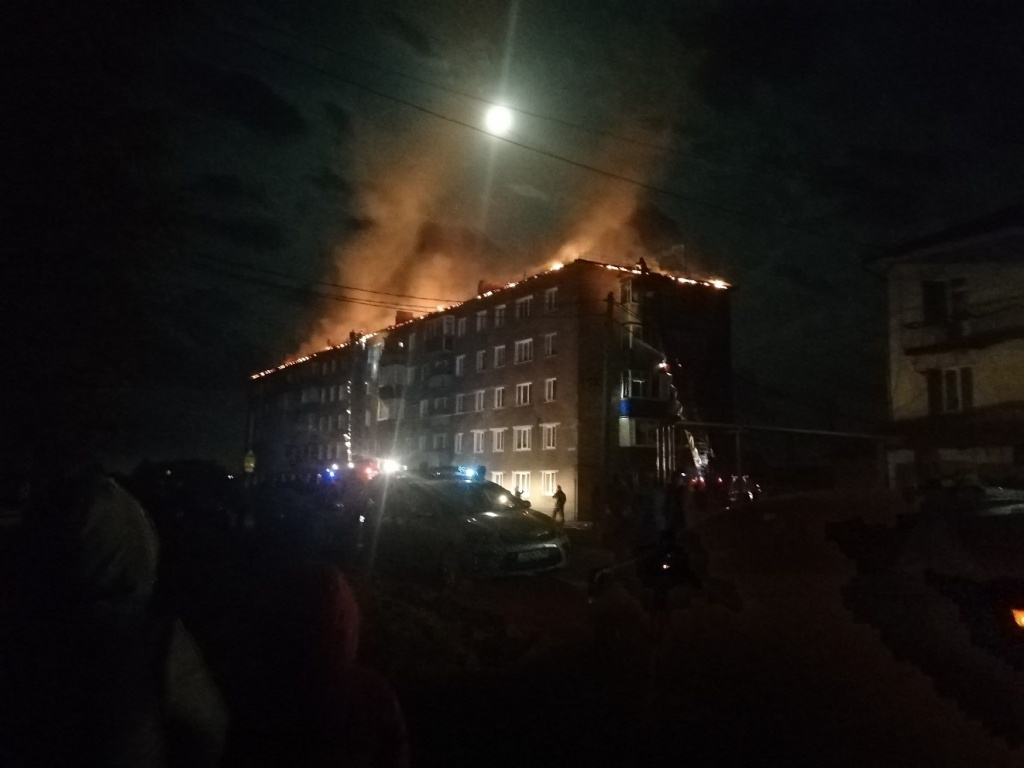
x=185 y=183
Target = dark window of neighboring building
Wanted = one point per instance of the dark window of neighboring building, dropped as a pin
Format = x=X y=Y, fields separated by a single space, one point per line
x=944 y=300
x=950 y=390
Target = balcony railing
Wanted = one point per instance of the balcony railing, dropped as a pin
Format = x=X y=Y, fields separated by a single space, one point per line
x=974 y=328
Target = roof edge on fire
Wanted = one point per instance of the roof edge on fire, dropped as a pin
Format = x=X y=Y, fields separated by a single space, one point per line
x=637 y=269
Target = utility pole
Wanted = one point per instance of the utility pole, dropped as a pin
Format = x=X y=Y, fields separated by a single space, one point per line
x=605 y=442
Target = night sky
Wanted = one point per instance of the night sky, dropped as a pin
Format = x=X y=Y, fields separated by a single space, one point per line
x=189 y=186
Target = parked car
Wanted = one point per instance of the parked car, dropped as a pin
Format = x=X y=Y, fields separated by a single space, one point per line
x=452 y=528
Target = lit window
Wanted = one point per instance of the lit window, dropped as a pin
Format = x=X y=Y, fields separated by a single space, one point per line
x=460 y=365
x=547 y=436
x=550 y=299
x=498 y=478
x=550 y=390
x=523 y=351
x=499 y=316
x=522 y=438
x=458 y=442
x=521 y=481
x=548 y=482
x=478 y=400
x=524 y=307
x=481 y=357
x=499 y=356
x=498 y=440
x=499 y=397
x=523 y=392
x=478 y=441
x=481 y=320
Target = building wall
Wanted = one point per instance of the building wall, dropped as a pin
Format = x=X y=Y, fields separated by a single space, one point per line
x=956 y=376
x=995 y=296
x=389 y=374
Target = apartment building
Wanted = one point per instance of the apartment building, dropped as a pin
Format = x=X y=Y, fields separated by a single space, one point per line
x=564 y=378
x=956 y=353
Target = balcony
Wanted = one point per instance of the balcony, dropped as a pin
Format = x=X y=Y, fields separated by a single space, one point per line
x=645 y=408
x=975 y=329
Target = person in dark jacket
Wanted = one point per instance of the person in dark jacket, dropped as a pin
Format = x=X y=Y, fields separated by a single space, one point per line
x=320 y=708
x=92 y=672
x=559 y=498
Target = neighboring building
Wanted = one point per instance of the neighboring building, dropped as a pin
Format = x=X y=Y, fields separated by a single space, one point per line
x=514 y=380
x=956 y=354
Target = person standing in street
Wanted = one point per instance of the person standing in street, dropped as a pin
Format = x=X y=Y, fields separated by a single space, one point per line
x=559 y=511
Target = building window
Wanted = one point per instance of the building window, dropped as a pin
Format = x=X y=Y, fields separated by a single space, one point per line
x=523 y=392
x=422 y=442
x=950 y=390
x=340 y=421
x=481 y=320
x=460 y=403
x=320 y=452
x=481 y=357
x=499 y=397
x=550 y=390
x=944 y=300
x=550 y=344
x=424 y=408
x=410 y=377
x=458 y=442
x=478 y=400
x=460 y=326
x=499 y=356
x=498 y=440
x=522 y=438
x=412 y=341
x=448 y=328
x=550 y=299
x=523 y=351
x=499 y=316
x=439 y=441
x=548 y=482
x=498 y=478
x=383 y=412
x=460 y=365
x=521 y=481
x=440 y=405
x=478 y=441
x=637 y=384
x=524 y=307
x=424 y=372
x=626 y=292
x=548 y=433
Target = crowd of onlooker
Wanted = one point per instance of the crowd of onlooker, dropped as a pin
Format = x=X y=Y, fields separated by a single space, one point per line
x=109 y=656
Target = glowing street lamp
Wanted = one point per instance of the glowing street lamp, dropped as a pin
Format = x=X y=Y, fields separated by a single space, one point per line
x=498 y=119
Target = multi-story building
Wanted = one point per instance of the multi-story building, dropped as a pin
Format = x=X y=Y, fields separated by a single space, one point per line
x=956 y=353
x=564 y=378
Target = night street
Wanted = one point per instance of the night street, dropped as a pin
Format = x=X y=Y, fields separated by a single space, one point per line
x=792 y=677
